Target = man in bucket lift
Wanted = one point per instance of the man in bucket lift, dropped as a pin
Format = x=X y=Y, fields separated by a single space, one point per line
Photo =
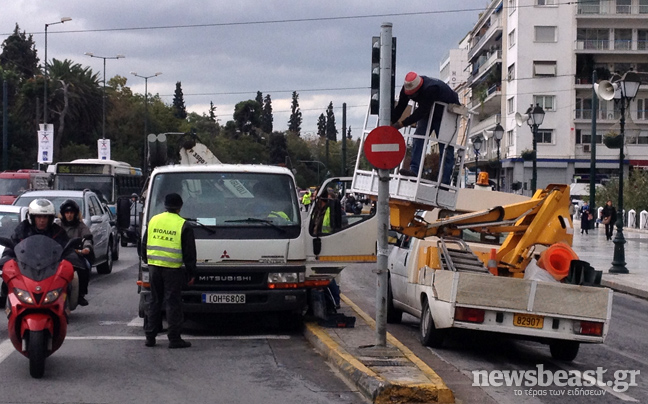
x=425 y=91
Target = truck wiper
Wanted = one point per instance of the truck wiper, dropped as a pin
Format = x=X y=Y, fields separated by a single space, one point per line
x=192 y=220
x=256 y=220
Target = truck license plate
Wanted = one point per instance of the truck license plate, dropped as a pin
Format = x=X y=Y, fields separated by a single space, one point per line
x=223 y=298
x=528 y=320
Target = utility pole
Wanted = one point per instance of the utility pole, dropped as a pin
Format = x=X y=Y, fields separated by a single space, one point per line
x=344 y=170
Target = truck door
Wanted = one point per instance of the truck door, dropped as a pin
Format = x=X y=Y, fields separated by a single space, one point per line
x=397 y=264
x=336 y=235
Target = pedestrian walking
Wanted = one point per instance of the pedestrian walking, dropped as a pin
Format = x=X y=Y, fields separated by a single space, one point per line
x=609 y=218
x=425 y=91
x=585 y=218
x=169 y=243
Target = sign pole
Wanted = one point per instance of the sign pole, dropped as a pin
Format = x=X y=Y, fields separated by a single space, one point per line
x=382 y=204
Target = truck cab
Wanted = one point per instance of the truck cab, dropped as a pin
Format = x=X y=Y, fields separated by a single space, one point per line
x=13 y=183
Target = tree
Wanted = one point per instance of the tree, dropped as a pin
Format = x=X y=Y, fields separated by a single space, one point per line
x=19 y=54
x=331 y=131
x=278 y=148
x=179 y=110
x=247 y=116
x=259 y=98
x=321 y=126
x=266 y=115
x=295 y=121
x=212 y=111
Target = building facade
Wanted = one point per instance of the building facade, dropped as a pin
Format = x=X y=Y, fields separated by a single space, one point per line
x=524 y=53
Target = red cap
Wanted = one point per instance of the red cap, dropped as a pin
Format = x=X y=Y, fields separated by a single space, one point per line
x=413 y=83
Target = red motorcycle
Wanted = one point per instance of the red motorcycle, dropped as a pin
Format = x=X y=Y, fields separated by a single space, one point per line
x=39 y=281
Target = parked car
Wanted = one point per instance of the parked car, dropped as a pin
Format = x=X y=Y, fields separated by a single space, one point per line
x=96 y=216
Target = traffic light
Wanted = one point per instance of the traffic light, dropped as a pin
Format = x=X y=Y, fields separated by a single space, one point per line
x=375 y=74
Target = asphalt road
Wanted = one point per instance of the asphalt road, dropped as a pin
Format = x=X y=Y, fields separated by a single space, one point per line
x=626 y=348
x=232 y=360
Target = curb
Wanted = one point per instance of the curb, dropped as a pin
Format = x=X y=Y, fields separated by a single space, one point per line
x=373 y=386
x=617 y=287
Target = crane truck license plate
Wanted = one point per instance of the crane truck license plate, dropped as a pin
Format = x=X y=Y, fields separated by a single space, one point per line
x=528 y=320
x=223 y=298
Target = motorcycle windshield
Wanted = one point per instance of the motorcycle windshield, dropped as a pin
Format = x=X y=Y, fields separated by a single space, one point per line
x=38 y=257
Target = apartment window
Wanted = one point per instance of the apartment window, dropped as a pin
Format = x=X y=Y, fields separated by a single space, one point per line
x=622 y=39
x=510 y=138
x=511 y=72
x=623 y=6
x=547 y=102
x=545 y=2
x=545 y=34
x=544 y=68
x=642 y=109
x=510 y=103
x=544 y=136
x=512 y=5
x=643 y=6
x=642 y=41
x=593 y=38
x=583 y=108
x=511 y=39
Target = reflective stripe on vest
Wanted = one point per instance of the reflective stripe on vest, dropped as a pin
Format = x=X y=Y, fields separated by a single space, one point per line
x=163 y=243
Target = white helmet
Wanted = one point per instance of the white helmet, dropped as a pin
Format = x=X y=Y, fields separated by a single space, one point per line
x=41 y=207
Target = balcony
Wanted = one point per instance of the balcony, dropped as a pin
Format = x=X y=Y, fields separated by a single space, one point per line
x=606 y=45
x=611 y=8
x=487 y=38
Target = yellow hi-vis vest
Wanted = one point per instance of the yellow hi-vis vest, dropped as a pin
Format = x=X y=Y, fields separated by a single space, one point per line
x=278 y=213
x=326 y=222
x=163 y=243
x=306 y=199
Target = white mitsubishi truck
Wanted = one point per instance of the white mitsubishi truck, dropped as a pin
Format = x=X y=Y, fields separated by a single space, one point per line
x=256 y=251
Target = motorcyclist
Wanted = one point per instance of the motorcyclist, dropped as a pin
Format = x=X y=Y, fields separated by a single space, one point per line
x=74 y=227
x=40 y=220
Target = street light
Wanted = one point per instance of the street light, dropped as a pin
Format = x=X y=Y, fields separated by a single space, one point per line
x=64 y=19
x=535 y=117
x=623 y=90
x=145 y=111
x=477 y=144
x=498 y=132
x=92 y=55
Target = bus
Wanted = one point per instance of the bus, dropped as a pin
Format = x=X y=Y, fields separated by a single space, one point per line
x=107 y=178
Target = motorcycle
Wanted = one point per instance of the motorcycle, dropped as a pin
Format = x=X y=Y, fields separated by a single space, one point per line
x=40 y=283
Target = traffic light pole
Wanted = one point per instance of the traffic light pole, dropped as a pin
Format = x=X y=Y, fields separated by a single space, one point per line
x=382 y=205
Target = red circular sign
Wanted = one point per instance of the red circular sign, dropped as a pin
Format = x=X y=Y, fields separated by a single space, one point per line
x=384 y=147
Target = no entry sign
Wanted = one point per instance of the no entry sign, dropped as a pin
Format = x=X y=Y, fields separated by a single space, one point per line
x=384 y=147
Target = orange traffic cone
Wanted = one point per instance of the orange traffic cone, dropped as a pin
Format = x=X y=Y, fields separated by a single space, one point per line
x=492 y=262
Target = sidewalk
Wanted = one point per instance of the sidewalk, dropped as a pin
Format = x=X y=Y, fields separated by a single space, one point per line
x=391 y=374
x=594 y=249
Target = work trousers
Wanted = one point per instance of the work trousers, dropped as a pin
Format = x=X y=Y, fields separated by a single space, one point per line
x=166 y=288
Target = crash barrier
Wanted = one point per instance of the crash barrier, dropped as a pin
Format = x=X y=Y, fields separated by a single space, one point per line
x=632 y=219
x=556 y=260
x=643 y=220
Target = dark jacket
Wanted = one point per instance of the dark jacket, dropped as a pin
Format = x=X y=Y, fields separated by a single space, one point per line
x=188 y=242
x=610 y=211
x=25 y=229
x=431 y=91
x=78 y=229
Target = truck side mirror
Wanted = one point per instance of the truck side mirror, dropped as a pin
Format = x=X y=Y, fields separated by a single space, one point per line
x=123 y=213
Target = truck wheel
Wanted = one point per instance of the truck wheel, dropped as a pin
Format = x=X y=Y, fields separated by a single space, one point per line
x=429 y=334
x=394 y=316
x=106 y=267
x=37 y=350
x=564 y=350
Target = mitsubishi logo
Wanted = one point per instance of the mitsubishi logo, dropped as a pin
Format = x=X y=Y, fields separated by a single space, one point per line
x=225 y=254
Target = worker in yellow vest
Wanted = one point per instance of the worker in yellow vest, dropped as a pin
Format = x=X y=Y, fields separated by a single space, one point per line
x=306 y=200
x=169 y=243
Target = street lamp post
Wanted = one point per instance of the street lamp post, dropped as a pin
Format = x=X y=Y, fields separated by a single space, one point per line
x=498 y=132
x=477 y=144
x=92 y=55
x=46 y=81
x=535 y=118
x=625 y=90
x=145 y=112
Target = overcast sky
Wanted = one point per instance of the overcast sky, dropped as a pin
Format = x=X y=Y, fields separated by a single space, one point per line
x=226 y=51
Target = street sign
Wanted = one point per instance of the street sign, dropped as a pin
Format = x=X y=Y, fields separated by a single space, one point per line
x=384 y=147
x=45 y=144
x=103 y=149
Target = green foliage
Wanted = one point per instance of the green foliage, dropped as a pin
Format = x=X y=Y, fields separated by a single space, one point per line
x=634 y=192
x=321 y=126
x=331 y=130
x=179 y=110
x=266 y=115
x=247 y=116
x=19 y=54
x=295 y=121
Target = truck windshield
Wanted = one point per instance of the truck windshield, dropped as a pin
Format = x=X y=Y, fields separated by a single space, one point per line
x=13 y=186
x=230 y=199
